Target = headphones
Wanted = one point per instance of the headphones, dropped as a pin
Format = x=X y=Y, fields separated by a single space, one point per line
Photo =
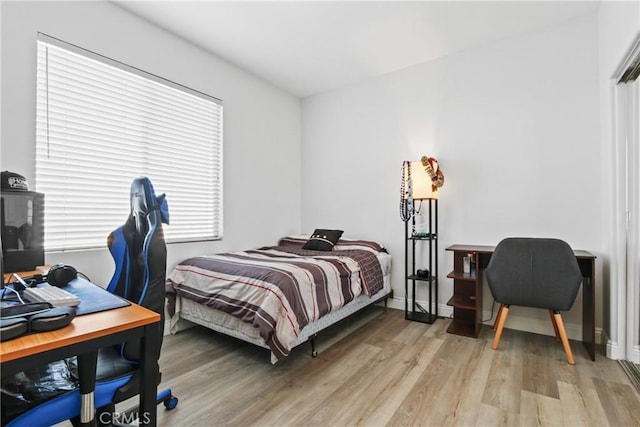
x=19 y=320
x=60 y=275
x=23 y=319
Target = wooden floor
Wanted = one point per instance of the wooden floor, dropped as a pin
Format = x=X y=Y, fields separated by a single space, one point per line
x=393 y=372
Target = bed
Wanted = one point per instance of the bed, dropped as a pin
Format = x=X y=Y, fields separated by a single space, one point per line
x=279 y=297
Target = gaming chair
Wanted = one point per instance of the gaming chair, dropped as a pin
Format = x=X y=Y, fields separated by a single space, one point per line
x=140 y=254
x=139 y=251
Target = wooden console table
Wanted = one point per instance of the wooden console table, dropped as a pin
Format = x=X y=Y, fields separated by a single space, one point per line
x=467 y=293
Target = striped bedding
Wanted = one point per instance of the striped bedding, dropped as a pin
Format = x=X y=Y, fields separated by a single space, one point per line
x=277 y=289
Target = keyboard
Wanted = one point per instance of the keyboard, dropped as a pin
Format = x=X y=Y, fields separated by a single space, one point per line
x=51 y=294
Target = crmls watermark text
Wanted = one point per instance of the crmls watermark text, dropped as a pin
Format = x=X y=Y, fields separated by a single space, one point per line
x=124 y=418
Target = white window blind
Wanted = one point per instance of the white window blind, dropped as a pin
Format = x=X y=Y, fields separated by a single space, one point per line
x=99 y=125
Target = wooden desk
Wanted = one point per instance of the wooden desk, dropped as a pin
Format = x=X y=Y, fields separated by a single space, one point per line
x=467 y=294
x=84 y=336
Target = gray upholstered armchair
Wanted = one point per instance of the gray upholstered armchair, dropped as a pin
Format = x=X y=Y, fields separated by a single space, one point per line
x=534 y=272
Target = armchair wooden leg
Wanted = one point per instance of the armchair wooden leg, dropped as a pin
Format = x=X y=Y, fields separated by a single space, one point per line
x=495 y=323
x=563 y=338
x=555 y=325
x=502 y=318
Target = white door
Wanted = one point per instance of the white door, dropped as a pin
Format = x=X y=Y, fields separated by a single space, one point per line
x=626 y=188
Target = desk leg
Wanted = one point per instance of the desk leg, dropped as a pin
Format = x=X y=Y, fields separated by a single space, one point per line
x=587 y=267
x=87 y=371
x=149 y=370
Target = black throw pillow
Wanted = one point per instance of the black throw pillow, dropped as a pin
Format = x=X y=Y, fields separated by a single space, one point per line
x=323 y=240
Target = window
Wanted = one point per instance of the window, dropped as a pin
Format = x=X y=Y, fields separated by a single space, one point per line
x=99 y=125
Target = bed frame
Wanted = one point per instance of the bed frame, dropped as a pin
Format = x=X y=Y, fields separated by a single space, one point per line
x=221 y=322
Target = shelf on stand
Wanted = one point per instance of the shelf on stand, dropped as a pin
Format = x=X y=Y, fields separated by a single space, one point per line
x=467 y=290
x=466 y=329
x=421 y=249
x=418 y=316
x=424 y=279
x=426 y=236
x=471 y=277
x=462 y=301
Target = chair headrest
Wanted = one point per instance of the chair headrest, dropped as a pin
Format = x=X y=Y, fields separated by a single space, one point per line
x=144 y=200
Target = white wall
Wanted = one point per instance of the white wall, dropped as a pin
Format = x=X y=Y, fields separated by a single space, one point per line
x=515 y=127
x=261 y=126
x=618 y=27
x=514 y=124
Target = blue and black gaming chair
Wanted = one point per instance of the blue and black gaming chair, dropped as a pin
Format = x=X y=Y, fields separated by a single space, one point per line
x=139 y=251
x=140 y=254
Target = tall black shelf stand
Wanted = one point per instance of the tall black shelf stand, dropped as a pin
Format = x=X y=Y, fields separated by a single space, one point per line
x=428 y=238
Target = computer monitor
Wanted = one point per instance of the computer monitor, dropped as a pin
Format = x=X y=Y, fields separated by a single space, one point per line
x=22 y=226
x=1 y=265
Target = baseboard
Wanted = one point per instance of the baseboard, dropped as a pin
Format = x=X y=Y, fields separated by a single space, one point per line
x=614 y=351
x=395 y=302
x=599 y=338
x=520 y=323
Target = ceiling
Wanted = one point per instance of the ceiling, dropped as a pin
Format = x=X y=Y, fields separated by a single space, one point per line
x=309 y=47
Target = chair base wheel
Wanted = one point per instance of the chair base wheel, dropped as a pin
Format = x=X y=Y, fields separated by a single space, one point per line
x=171 y=403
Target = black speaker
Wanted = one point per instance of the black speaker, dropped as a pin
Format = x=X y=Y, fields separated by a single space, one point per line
x=60 y=274
x=423 y=274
